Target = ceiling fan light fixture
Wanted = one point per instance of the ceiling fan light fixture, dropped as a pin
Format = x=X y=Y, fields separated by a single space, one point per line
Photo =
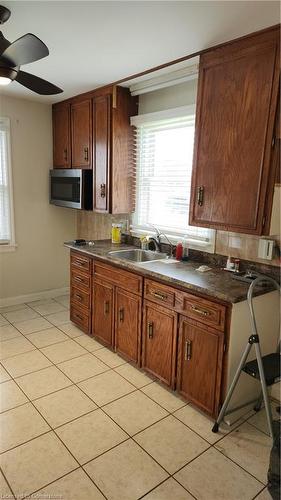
x=4 y=80
x=7 y=75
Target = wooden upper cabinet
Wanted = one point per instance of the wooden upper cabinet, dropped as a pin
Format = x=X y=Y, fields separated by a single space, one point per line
x=81 y=134
x=236 y=107
x=101 y=151
x=114 y=172
x=61 y=136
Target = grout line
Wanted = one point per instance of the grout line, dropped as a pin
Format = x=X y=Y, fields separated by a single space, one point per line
x=7 y=482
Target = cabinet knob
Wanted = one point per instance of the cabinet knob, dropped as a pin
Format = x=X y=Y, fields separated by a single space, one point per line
x=102 y=190
x=187 y=350
x=121 y=314
x=200 y=195
x=150 y=329
x=86 y=153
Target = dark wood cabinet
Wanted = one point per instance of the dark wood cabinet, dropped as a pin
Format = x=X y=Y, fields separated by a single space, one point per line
x=103 y=312
x=81 y=134
x=80 y=291
x=127 y=324
x=159 y=334
x=236 y=107
x=199 y=367
x=61 y=136
x=101 y=151
x=114 y=173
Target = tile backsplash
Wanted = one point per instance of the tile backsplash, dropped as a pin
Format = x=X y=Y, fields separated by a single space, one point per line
x=95 y=226
x=245 y=246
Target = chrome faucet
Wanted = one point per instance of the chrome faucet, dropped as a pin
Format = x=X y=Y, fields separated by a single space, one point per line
x=157 y=240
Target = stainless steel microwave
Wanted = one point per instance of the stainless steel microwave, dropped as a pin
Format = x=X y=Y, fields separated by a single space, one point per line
x=72 y=188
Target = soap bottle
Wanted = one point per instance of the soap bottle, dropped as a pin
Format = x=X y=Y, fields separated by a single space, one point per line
x=179 y=251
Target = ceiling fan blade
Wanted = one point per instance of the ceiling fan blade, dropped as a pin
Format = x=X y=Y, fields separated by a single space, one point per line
x=37 y=84
x=26 y=49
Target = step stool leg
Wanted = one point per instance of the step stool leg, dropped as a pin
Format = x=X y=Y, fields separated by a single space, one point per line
x=258 y=404
x=231 y=388
x=264 y=389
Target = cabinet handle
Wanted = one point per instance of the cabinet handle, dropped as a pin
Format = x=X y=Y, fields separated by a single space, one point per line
x=121 y=314
x=159 y=295
x=200 y=311
x=86 y=154
x=78 y=297
x=150 y=330
x=106 y=307
x=200 y=195
x=80 y=263
x=65 y=154
x=80 y=280
x=187 y=350
x=78 y=316
x=102 y=190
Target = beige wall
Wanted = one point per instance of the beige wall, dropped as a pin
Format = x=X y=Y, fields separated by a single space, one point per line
x=168 y=98
x=40 y=261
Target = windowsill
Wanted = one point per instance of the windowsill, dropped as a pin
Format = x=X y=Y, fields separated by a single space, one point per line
x=10 y=247
x=204 y=246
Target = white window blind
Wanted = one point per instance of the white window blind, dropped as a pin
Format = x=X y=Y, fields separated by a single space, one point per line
x=6 y=213
x=164 y=152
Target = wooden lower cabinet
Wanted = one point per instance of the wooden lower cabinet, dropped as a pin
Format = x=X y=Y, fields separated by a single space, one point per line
x=127 y=324
x=200 y=353
x=102 y=316
x=159 y=335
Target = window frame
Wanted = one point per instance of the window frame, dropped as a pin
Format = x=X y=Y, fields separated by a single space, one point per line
x=9 y=246
x=193 y=241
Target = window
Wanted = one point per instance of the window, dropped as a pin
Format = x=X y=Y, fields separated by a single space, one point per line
x=6 y=198
x=164 y=150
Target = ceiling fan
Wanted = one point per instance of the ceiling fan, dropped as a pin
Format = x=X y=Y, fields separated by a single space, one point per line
x=24 y=50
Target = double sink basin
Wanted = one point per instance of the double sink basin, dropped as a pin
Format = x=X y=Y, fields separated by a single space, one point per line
x=138 y=255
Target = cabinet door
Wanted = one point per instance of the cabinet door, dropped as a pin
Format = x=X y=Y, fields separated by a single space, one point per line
x=127 y=324
x=81 y=128
x=236 y=104
x=101 y=151
x=159 y=341
x=200 y=353
x=102 y=319
x=61 y=136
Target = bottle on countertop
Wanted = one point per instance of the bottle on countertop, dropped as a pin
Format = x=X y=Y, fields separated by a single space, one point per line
x=179 y=251
x=116 y=233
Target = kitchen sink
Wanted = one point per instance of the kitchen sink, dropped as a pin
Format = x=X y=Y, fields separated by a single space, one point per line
x=137 y=255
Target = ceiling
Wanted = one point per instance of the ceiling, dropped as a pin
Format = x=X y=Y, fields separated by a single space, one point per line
x=94 y=43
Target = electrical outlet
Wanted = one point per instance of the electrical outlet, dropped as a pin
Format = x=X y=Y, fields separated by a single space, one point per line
x=266 y=249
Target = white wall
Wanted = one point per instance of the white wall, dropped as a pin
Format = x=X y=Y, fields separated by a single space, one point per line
x=168 y=98
x=40 y=261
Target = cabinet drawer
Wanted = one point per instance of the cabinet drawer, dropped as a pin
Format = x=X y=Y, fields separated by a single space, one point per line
x=207 y=312
x=80 y=261
x=80 y=318
x=124 y=279
x=80 y=279
x=80 y=297
x=159 y=293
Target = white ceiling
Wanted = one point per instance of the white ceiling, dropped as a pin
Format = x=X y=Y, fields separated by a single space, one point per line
x=94 y=43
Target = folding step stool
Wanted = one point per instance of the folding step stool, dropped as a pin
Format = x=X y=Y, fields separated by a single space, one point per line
x=264 y=368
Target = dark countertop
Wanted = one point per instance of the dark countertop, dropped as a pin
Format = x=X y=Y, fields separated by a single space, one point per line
x=216 y=284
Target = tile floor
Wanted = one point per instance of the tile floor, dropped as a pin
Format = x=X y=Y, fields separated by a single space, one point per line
x=79 y=423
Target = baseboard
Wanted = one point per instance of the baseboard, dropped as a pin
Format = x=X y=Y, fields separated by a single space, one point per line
x=45 y=294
